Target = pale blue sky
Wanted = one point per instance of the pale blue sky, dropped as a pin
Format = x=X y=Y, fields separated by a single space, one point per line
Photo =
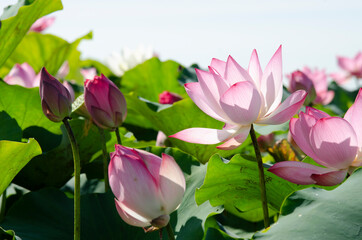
x=312 y=32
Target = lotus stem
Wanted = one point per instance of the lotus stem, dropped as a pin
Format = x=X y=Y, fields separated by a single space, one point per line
x=3 y=206
x=261 y=177
x=76 y=159
x=118 y=136
x=105 y=159
x=170 y=234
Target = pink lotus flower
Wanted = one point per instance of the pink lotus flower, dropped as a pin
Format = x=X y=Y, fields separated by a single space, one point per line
x=42 y=23
x=147 y=188
x=56 y=101
x=333 y=142
x=314 y=82
x=351 y=67
x=239 y=98
x=23 y=75
x=105 y=102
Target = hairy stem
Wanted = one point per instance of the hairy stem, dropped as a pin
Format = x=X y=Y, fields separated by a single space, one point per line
x=118 y=136
x=76 y=159
x=170 y=234
x=105 y=159
x=261 y=177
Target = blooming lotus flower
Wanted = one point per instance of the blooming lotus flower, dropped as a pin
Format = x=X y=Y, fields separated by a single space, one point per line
x=56 y=100
x=42 y=23
x=314 y=82
x=128 y=59
x=147 y=188
x=350 y=66
x=333 y=142
x=105 y=102
x=23 y=75
x=239 y=98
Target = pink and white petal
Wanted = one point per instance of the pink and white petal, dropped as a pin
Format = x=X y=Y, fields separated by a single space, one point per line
x=340 y=77
x=318 y=114
x=172 y=183
x=286 y=110
x=203 y=135
x=152 y=162
x=346 y=64
x=134 y=186
x=241 y=103
x=234 y=73
x=209 y=107
x=334 y=141
x=354 y=117
x=300 y=130
x=297 y=172
x=254 y=69
x=328 y=97
x=330 y=178
x=272 y=82
x=219 y=66
x=237 y=140
x=131 y=217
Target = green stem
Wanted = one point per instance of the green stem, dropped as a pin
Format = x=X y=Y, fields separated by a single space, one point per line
x=118 y=136
x=76 y=159
x=105 y=159
x=3 y=206
x=170 y=234
x=261 y=177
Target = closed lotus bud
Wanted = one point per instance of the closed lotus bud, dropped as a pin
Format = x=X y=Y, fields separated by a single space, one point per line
x=147 y=188
x=56 y=100
x=168 y=97
x=105 y=102
x=300 y=81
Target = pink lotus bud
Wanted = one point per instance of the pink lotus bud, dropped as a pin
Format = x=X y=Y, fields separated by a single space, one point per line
x=23 y=75
x=266 y=141
x=105 y=102
x=42 y=23
x=300 y=81
x=168 y=97
x=55 y=98
x=147 y=188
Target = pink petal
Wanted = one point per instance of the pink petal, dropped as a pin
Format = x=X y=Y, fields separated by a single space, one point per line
x=327 y=97
x=23 y=75
x=236 y=141
x=340 y=77
x=354 y=117
x=88 y=73
x=300 y=129
x=63 y=70
x=297 y=172
x=334 y=141
x=272 y=82
x=347 y=64
x=254 y=69
x=203 y=135
x=241 y=103
x=172 y=183
x=318 y=114
x=151 y=161
x=286 y=110
x=70 y=89
x=161 y=139
x=209 y=107
x=131 y=217
x=330 y=178
x=235 y=73
x=133 y=184
x=219 y=66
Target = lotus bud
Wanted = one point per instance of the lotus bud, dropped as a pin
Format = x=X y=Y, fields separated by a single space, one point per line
x=147 y=188
x=56 y=100
x=300 y=81
x=105 y=102
x=169 y=98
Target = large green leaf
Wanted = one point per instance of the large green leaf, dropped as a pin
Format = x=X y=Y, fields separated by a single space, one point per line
x=236 y=186
x=13 y=157
x=48 y=214
x=151 y=78
x=12 y=131
x=14 y=28
x=320 y=214
x=7 y=235
x=48 y=51
x=181 y=115
x=24 y=105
